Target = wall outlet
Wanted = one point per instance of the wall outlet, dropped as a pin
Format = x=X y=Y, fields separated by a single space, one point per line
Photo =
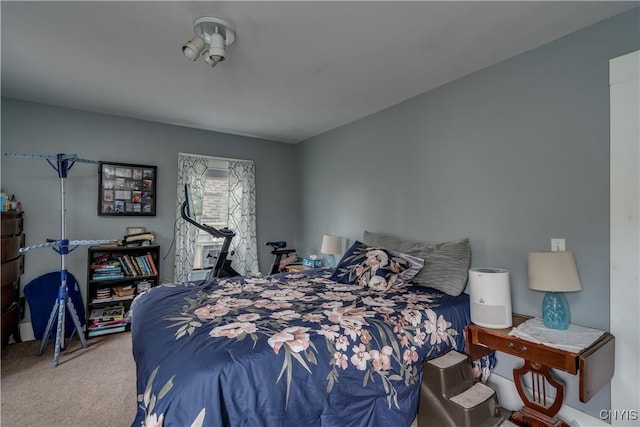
x=557 y=245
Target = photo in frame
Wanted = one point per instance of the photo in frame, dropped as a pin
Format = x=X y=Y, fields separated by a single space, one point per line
x=126 y=189
x=135 y=230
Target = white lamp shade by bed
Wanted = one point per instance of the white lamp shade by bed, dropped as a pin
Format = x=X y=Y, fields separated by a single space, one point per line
x=331 y=244
x=553 y=272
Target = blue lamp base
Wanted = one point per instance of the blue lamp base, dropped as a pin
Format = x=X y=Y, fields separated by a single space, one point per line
x=555 y=310
x=330 y=260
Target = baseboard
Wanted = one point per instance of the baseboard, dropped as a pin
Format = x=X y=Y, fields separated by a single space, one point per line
x=26 y=332
x=510 y=400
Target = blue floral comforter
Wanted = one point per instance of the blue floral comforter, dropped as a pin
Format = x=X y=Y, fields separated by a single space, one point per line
x=288 y=350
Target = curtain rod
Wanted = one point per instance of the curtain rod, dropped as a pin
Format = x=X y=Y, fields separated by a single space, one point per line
x=215 y=157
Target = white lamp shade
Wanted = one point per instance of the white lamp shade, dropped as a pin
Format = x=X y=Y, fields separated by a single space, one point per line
x=553 y=272
x=331 y=244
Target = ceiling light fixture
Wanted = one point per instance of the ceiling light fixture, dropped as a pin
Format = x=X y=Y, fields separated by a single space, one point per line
x=212 y=36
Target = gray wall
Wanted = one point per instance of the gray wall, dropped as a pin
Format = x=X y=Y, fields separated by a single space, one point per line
x=41 y=129
x=510 y=156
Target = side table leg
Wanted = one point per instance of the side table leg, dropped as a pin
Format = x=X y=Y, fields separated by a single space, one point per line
x=536 y=412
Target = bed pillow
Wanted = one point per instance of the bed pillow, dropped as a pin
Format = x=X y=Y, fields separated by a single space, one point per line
x=390 y=242
x=415 y=265
x=446 y=264
x=375 y=267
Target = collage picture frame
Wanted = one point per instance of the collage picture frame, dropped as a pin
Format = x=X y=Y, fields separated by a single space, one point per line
x=127 y=189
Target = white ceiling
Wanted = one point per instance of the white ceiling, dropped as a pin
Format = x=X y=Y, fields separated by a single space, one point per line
x=297 y=69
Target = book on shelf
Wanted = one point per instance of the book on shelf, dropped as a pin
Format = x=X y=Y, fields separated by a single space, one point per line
x=101 y=259
x=105 y=277
x=131 y=266
x=124 y=266
x=105 y=270
x=104 y=267
x=145 y=265
x=94 y=332
x=107 y=324
x=136 y=265
x=107 y=314
x=112 y=299
x=131 y=269
x=152 y=264
x=109 y=266
x=141 y=268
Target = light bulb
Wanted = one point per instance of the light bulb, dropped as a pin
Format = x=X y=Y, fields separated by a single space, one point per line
x=208 y=59
x=193 y=48
x=216 y=47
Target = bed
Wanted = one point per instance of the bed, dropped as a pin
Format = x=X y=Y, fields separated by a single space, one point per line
x=292 y=349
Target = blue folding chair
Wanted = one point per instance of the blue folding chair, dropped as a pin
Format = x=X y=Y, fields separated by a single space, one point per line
x=42 y=293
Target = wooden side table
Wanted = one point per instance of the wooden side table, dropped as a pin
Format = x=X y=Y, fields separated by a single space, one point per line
x=595 y=365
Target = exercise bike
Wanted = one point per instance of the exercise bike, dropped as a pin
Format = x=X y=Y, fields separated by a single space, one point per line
x=223 y=265
x=279 y=250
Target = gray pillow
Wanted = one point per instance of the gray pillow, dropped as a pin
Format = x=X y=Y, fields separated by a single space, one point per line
x=446 y=264
x=415 y=265
x=390 y=242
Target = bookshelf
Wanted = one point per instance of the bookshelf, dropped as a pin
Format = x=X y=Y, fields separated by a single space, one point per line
x=115 y=275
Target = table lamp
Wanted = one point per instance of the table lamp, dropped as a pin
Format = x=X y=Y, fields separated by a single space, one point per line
x=331 y=245
x=554 y=273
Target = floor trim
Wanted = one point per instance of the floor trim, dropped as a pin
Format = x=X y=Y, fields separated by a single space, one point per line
x=26 y=332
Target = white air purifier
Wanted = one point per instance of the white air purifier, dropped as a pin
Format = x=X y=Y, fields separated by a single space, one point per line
x=490 y=296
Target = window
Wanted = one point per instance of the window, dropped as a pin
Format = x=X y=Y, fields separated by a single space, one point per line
x=223 y=193
x=215 y=212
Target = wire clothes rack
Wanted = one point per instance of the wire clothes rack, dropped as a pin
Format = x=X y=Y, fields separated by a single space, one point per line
x=61 y=163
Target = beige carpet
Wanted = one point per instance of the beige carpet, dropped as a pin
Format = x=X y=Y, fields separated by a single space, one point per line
x=93 y=386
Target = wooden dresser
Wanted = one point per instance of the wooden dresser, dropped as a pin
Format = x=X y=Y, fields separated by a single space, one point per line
x=12 y=268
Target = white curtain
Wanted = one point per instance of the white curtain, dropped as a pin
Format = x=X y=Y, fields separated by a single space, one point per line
x=192 y=170
x=242 y=216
